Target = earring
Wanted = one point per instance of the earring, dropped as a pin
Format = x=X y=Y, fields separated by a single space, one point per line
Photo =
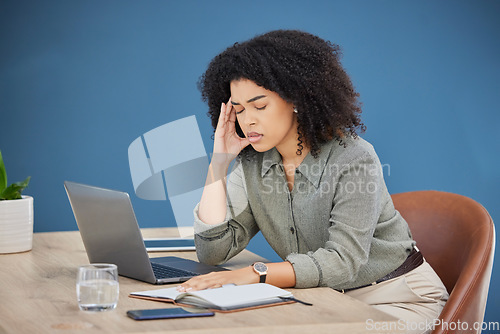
x=295 y=110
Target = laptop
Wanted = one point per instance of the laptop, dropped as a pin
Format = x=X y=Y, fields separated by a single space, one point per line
x=110 y=234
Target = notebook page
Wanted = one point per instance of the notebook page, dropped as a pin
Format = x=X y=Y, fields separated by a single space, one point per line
x=229 y=296
x=170 y=293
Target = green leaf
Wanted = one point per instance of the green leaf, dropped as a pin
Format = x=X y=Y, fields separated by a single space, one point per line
x=14 y=190
x=3 y=174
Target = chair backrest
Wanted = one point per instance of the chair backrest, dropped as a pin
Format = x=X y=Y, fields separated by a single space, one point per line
x=457 y=237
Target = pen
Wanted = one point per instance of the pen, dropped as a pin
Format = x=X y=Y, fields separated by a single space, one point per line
x=296 y=300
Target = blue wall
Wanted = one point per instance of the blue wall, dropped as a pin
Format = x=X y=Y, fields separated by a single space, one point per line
x=80 y=80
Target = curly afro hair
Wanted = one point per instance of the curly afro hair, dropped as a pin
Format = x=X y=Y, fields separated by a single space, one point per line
x=302 y=69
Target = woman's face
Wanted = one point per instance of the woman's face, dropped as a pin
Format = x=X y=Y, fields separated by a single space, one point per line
x=265 y=118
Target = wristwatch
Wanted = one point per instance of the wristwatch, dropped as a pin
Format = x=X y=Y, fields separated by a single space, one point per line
x=261 y=269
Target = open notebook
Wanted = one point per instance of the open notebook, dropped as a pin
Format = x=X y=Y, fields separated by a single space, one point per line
x=226 y=299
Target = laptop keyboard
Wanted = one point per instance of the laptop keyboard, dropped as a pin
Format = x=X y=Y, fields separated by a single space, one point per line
x=169 y=272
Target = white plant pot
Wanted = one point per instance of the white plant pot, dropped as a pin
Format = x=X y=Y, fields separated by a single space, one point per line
x=16 y=225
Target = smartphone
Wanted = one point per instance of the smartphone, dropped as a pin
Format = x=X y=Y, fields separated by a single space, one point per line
x=169 y=244
x=166 y=313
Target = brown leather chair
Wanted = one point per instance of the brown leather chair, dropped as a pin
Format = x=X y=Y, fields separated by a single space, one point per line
x=457 y=237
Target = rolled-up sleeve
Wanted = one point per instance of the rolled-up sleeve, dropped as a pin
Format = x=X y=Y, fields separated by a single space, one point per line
x=355 y=211
x=215 y=244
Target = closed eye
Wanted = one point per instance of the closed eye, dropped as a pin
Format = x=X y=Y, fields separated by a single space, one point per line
x=242 y=110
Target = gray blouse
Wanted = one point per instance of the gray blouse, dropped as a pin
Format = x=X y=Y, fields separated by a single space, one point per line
x=337 y=227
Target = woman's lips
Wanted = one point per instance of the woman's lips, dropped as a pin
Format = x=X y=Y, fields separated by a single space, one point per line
x=254 y=137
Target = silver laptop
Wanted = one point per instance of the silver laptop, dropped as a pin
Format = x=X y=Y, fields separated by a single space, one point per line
x=110 y=234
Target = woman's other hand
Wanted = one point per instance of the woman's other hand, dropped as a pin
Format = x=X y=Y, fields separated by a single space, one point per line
x=279 y=274
x=217 y=279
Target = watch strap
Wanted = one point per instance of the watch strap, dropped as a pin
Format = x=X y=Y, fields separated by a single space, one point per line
x=263 y=278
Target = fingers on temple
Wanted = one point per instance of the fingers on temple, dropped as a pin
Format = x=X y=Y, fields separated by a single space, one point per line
x=221 y=124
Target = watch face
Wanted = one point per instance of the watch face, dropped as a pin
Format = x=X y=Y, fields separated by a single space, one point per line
x=260 y=267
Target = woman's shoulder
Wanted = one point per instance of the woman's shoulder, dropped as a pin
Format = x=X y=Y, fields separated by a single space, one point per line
x=350 y=149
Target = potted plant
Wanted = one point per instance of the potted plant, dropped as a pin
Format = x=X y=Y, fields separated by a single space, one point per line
x=16 y=215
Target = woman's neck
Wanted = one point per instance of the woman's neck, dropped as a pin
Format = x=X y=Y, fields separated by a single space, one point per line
x=289 y=154
x=289 y=146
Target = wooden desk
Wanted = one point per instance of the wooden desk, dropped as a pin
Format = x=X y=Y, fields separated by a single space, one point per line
x=38 y=295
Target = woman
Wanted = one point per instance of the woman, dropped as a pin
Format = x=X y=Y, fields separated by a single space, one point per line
x=284 y=106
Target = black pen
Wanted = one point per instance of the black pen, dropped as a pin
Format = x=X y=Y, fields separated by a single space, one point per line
x=296 y=300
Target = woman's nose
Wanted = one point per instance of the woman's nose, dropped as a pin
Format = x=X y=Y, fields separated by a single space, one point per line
x=250 y=118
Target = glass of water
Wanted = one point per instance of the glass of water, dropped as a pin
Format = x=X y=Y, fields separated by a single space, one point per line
x=97 y=287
